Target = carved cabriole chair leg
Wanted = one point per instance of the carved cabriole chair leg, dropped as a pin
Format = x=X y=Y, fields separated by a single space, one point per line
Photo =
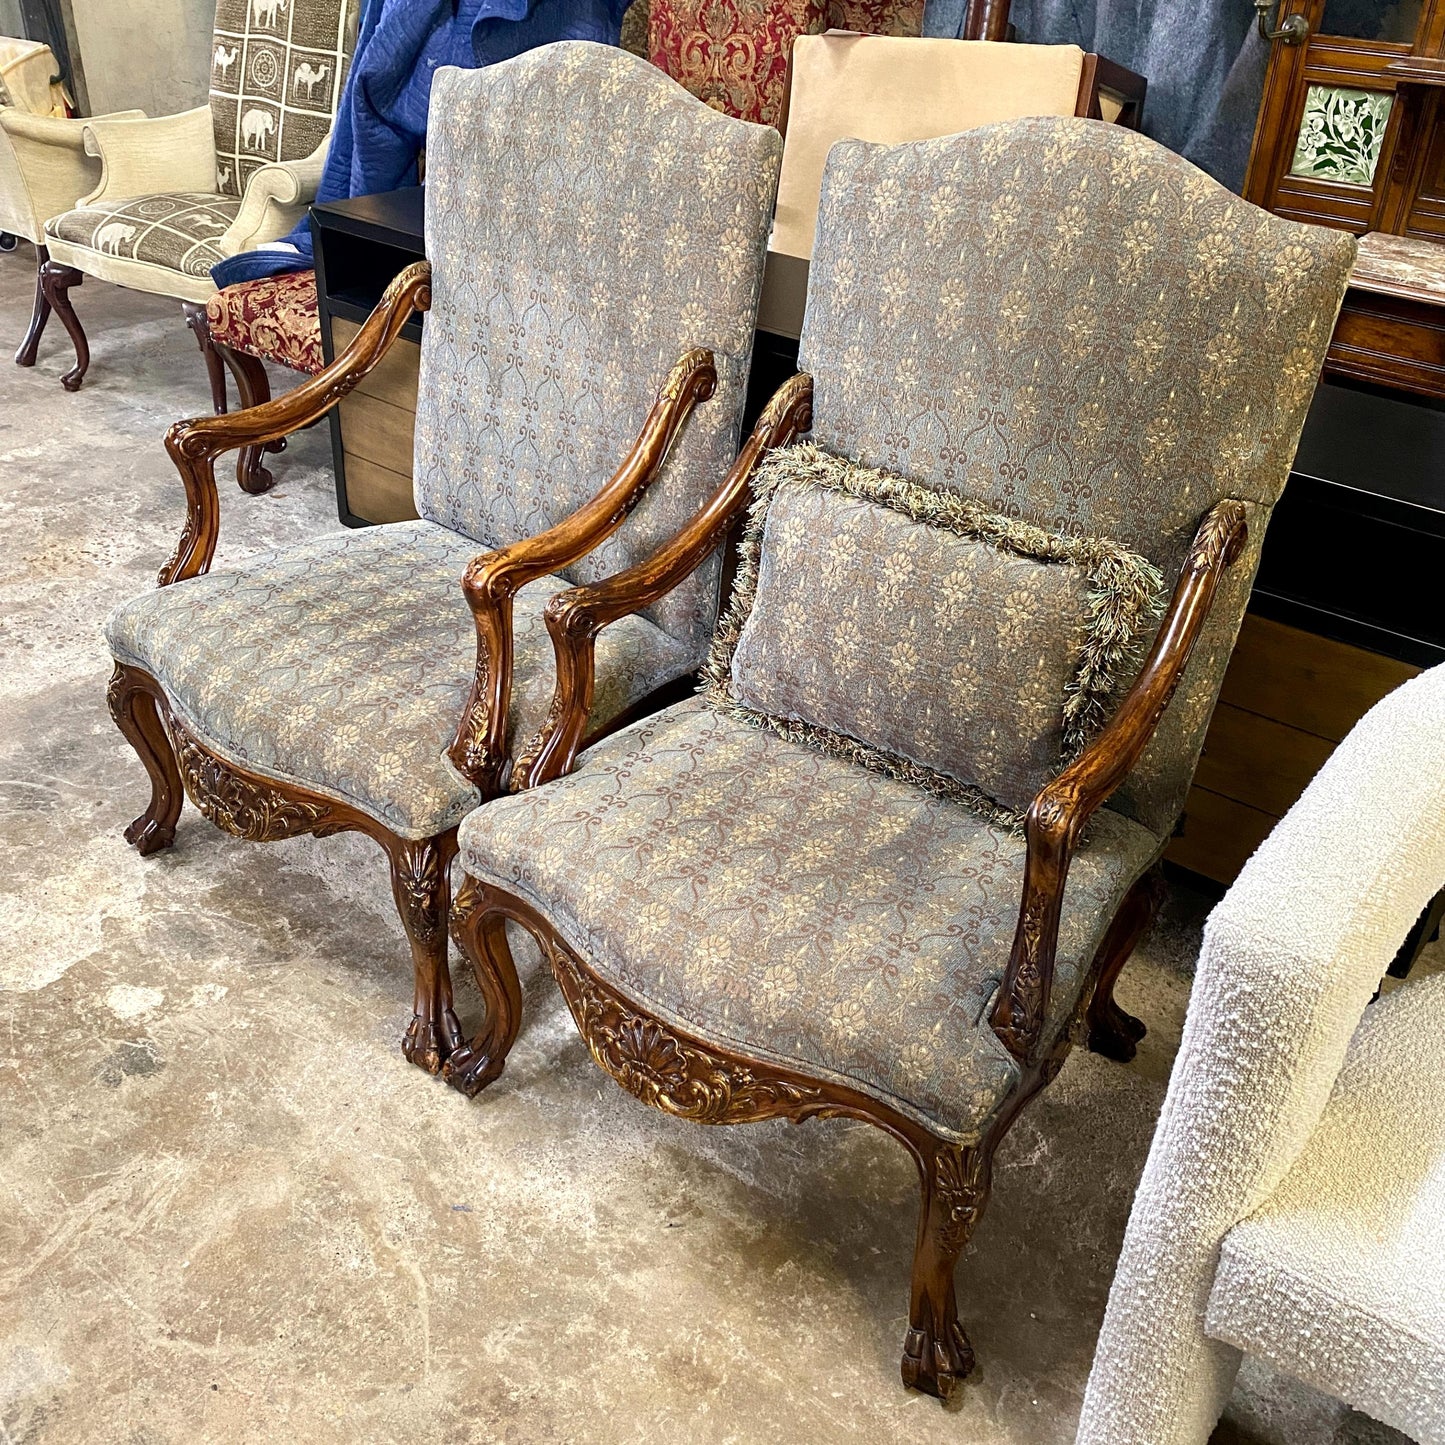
x=132 y=700
x=955 y=1180
x=421 y=885
x=56 y=280
x=253 y=387
x=1112 y=1032
x=39 y=316
x=195 y=314
x=263 y=810
x=480 y=932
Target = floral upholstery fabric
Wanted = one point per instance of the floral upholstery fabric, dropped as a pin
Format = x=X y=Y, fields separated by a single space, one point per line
x=277 y=68
x=275 y=318
x=805 y=910
x=733 y=54
x=1120 y=390
x=177 y=231
x=916 y=633
x=588 y=222
x=344 y=664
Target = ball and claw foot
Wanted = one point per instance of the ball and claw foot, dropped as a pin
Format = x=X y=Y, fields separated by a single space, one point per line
x=147 y=836
x=937 y=1366
x=470 y=1069
x=1115 y=1034
x=429 y=1044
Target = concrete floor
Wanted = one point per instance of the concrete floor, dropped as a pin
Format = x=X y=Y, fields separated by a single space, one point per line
x=229 y=1211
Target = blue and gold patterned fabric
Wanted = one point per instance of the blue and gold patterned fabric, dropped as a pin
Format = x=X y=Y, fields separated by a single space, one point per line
x=343 y=666
x=588 y=222
x=1124 y=344
x=805 y=910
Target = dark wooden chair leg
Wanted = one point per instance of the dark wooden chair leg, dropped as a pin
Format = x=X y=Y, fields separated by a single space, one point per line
x=56 y=279
x=195 y=314
x=133 y=706
x=39 y=316
x=253 y=387
x=481 y=935
x=421 y=885
x=936 y=1353
x=1112 y=1032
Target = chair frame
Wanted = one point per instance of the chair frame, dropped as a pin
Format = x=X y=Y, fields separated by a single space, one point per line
x=686 y=1075
x=258 y=808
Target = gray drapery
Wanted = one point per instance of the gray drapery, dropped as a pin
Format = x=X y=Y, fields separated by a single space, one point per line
x=1204 y=63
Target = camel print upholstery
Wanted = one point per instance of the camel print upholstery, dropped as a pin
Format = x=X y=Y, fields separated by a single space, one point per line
x=277 y=67
x=178 y=232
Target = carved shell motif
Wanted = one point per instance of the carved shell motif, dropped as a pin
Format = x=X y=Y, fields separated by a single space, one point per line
x=653 y=1064
x=237 y=804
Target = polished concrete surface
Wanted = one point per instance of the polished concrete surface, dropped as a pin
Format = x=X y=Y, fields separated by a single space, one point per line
x=229 y=1211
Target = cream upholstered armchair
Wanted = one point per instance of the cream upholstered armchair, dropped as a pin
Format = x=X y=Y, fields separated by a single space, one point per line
x=179 y=193
x=1293 y=1204
x=43 y=162
x=594 y=233
x=855 y=878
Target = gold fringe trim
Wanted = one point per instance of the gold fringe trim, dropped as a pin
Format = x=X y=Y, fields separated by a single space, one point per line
x=1125 y=593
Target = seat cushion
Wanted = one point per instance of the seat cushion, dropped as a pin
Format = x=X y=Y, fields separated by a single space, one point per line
x=1339 y=1278
x=805 y=910
x=274 y=318
x=172 y=232
x=343 y=665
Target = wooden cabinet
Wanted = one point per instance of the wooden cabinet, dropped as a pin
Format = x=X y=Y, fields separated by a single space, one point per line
x=360 y=246
x=1289 y=697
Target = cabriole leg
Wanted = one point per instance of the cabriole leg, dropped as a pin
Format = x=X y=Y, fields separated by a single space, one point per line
x=133 y=706
x=39 y=316
x=936 y=1352
x=195 y=315
x=253 y=387
x=1112 y=1032
x=56 y=280
x=481 y=934
x=421 y=885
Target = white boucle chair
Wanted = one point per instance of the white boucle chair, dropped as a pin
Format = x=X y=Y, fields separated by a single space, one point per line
x=1293 y=1203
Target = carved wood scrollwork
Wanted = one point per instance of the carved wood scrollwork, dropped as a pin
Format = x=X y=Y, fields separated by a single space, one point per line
x=653 y=1064
x=243 y=806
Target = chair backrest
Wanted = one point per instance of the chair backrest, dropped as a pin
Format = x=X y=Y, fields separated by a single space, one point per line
x=1291 y=957
x=587 y=222
x=277 y=68
x=1071 y=324
x=26 y=70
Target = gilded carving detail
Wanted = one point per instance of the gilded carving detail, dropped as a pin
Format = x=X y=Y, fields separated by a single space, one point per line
x=245 y=807
x=656 y=1066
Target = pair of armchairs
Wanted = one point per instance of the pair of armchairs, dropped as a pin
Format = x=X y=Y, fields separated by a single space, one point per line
x=832 y=886
x=154 y=203
x=1293 y=1204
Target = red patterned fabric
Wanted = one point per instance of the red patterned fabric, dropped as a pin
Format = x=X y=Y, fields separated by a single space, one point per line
x=274 y=318
x=877 y=17
x=733 y=54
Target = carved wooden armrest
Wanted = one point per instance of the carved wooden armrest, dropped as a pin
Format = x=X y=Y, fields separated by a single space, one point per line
x=492 y=580
x=194 y=445
x=575 y=617
x=1058 y=815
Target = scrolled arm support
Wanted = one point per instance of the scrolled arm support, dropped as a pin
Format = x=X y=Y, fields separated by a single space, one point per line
x=575 y=617
x=195 y=444
x=1059 y=813
x=479 y=749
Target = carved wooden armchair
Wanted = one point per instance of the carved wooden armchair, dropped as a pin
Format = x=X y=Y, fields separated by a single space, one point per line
x=891 y=863
x=590 y=226
x=178 y=193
